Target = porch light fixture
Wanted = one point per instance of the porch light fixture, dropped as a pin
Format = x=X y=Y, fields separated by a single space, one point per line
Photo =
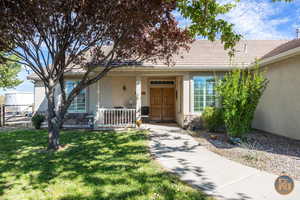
x=124 y=88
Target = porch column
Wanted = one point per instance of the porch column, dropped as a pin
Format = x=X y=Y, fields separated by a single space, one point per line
x=98 y=95
x=99 y=118
x=186 y=94
x=138 y=92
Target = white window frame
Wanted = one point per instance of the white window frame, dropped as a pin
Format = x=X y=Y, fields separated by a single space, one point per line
x=86 y=99
x=192 y=97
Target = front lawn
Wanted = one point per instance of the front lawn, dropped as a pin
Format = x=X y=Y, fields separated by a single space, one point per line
x=94 y=166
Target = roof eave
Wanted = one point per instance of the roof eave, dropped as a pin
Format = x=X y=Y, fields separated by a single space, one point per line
x=157 y=68
x=278 y=57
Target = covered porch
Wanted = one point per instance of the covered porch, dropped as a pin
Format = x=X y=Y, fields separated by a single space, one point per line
x=121 y=99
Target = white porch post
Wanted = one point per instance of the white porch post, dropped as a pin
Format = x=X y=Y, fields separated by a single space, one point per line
x=186 y=100
x=98 y=94
x=99 y=117
x=186 y=94
x=138 y=92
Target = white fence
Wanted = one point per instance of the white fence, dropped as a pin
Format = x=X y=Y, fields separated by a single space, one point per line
x=116 y=118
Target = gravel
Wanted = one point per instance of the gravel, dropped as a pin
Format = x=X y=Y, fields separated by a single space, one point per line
x=261 y=150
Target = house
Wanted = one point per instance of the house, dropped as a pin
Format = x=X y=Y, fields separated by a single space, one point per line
x=279 y=108
x=180 y=93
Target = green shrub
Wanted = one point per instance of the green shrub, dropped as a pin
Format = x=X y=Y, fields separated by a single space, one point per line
x=213 y=118
x=37 y=120
x=240 y=91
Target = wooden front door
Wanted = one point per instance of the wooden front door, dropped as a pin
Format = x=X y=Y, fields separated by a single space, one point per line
x=162 y=104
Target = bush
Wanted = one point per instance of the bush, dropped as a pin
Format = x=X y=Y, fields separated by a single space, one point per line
x=240 y=91
x=213 y=118
x=37 y=120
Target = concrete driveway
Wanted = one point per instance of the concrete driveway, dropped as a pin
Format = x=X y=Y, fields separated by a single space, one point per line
x=227 y=180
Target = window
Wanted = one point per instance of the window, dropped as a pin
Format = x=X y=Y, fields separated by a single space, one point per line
x=204 y=92
x=162 y=82
x=78 y=105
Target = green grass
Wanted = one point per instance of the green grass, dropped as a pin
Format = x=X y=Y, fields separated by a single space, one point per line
x=96 y=165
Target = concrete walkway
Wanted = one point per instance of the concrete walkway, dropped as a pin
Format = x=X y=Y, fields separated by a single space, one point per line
x=213 y=174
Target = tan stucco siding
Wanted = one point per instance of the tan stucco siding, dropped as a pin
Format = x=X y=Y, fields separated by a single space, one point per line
x=123 y=91
x=40 y=102
x=279 y=108
x=105 y=92
x=92 y=98
x=116 y=91
x=145 y=92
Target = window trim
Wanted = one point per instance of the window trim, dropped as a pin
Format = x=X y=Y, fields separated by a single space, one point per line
x=161 y=85
x=192 y=92
x=86 y=98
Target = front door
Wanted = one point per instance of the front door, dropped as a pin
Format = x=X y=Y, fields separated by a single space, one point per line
x=162 y=104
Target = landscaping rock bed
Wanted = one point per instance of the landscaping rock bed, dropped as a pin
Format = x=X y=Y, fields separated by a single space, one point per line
x=261 y=150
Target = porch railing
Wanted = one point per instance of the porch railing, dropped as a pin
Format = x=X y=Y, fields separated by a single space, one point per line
x=116 y=118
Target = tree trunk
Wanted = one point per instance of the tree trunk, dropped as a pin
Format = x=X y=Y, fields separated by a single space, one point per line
x=53 y=134
x=56 y=115
x=53 y=122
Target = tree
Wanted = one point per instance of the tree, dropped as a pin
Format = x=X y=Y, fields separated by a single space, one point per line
x=9 y=74
x=205 y=21
x=52 y=37
x=240 y=92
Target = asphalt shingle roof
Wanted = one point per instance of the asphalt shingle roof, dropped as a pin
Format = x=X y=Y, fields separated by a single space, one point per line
x=204 y=53
x=283 y=48
x=207 y=55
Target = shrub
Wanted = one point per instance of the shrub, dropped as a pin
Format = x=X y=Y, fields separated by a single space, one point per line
x=37 y=120
x=240 y=91
x=213 y=118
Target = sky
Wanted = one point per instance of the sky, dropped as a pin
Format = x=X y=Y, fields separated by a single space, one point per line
x=254 y=19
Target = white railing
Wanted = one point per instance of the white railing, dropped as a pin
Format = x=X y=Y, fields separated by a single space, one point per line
x=116 y=118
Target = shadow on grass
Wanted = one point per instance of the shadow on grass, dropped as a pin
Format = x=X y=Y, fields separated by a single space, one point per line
x=96 y=165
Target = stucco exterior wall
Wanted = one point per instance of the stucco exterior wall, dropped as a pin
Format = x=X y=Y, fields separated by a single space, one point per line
x=121 y=97
x=278 y=111
x=92 y=98
x=145 y=92
x=40 y=102
x=117 y=91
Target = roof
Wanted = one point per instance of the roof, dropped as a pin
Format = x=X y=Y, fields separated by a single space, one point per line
x=292 y=44
x=205 y=54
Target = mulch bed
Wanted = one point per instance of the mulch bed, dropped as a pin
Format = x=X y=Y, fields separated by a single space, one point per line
x=261 y=150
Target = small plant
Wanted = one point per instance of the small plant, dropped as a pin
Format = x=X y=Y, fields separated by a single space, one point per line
x=37 y=120
x=213 y=118
x=253 y=157
x=240 y=91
